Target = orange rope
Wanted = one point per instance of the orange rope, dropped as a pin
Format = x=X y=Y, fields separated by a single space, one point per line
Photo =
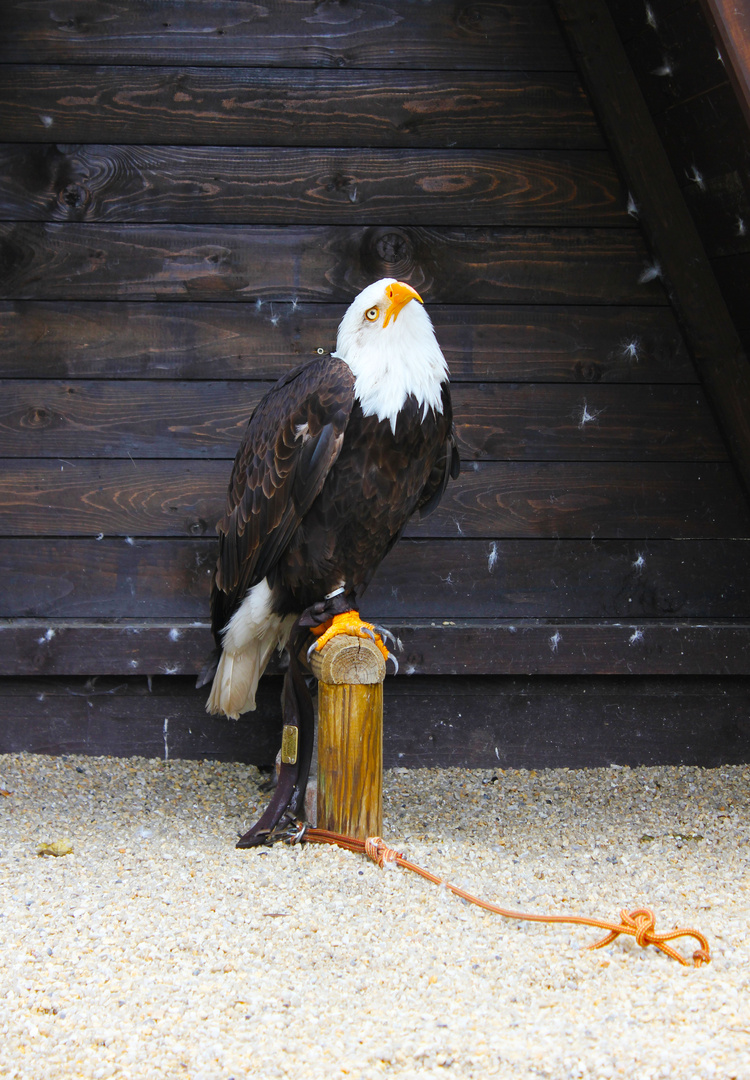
x=639 y=923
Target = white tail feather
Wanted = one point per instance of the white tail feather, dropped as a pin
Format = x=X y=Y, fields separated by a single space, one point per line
x=237 y=676
x=252 y=634
x=234 y=685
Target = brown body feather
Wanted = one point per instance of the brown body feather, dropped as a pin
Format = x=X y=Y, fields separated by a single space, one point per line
x=319 y=493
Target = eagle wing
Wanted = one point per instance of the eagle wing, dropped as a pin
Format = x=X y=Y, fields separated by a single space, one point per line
x=447 y=465
x=292 y=441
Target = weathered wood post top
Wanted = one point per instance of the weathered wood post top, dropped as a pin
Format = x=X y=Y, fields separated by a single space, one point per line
x=350 y=673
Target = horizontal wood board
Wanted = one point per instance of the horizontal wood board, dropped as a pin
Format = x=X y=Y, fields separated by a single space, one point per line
x=462 y=722
x=288 y=33
x=494 y=421
x=82 y=261
x=491 y=499
x=431 y=578
x=263 y=107
x=171 y=340
x=229 y=185
x=437 y=647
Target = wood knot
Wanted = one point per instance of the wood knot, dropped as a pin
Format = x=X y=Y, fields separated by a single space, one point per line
x=74 y=200
x=469 y=19
x=392 y=246
x=37 y=417
x=588 y=371
x=389 y=252
x=339 y=182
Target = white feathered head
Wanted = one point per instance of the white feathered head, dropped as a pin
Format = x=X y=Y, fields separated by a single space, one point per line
x=386 y=338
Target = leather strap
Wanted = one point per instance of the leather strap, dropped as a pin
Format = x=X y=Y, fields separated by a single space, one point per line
x=299 y=730
x=280 y=817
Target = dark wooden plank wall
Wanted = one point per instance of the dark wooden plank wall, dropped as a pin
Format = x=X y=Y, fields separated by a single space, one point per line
x=190 y=194
x=515 y=721
x=657 y=199
x=688 y=88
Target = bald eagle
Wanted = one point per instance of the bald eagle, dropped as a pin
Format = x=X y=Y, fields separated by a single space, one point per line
x=335 y=460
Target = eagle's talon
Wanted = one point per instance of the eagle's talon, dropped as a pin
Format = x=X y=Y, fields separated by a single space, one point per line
x=349 y=623
x=395 y=662
x=386 y=634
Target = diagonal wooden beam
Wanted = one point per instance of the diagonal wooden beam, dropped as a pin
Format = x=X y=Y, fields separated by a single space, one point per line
x=730 y=22
x=622 y=111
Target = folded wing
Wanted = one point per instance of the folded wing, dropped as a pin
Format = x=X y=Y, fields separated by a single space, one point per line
x=291 y=443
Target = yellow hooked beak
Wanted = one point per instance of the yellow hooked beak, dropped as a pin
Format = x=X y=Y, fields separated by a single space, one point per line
x=399 y=294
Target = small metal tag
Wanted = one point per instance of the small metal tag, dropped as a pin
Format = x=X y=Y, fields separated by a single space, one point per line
x=289 y=737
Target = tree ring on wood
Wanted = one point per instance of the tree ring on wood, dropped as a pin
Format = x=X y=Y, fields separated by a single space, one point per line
x=348 y=659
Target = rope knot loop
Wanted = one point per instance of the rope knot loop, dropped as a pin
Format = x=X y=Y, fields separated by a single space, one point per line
x=641 y=924
x=377 y=850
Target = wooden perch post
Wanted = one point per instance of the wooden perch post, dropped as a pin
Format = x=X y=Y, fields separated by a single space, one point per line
x=350 y=673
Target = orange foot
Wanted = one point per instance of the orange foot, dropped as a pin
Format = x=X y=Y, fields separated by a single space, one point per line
x=348 y=623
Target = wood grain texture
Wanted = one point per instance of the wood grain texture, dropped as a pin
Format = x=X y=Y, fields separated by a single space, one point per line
x=429 y=579
x=492 y=499
x=533 y=422
x=223 y=262
x=494 y=421
x=441 y=647
x=584 y=648
x=132 y=340
x=350 y=758
x=518 y=722
x=578 y=723
x=228 y=185
x=288 y=33
x=346 y=660
x=262 y=107
x=554 y=579
x=125 y=716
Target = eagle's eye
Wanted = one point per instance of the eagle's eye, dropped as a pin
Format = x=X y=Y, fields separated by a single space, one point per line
x=372 y=314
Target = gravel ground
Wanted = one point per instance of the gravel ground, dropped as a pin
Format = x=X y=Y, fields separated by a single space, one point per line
x=155 y=949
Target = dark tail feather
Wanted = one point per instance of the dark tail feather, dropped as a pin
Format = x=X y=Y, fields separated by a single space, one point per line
x=209 y=669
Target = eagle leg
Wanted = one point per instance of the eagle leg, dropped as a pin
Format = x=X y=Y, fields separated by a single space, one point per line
x=351 y=624
x=287 y=802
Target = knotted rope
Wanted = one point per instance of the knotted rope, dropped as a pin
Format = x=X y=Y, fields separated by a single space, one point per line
x=639 y=924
